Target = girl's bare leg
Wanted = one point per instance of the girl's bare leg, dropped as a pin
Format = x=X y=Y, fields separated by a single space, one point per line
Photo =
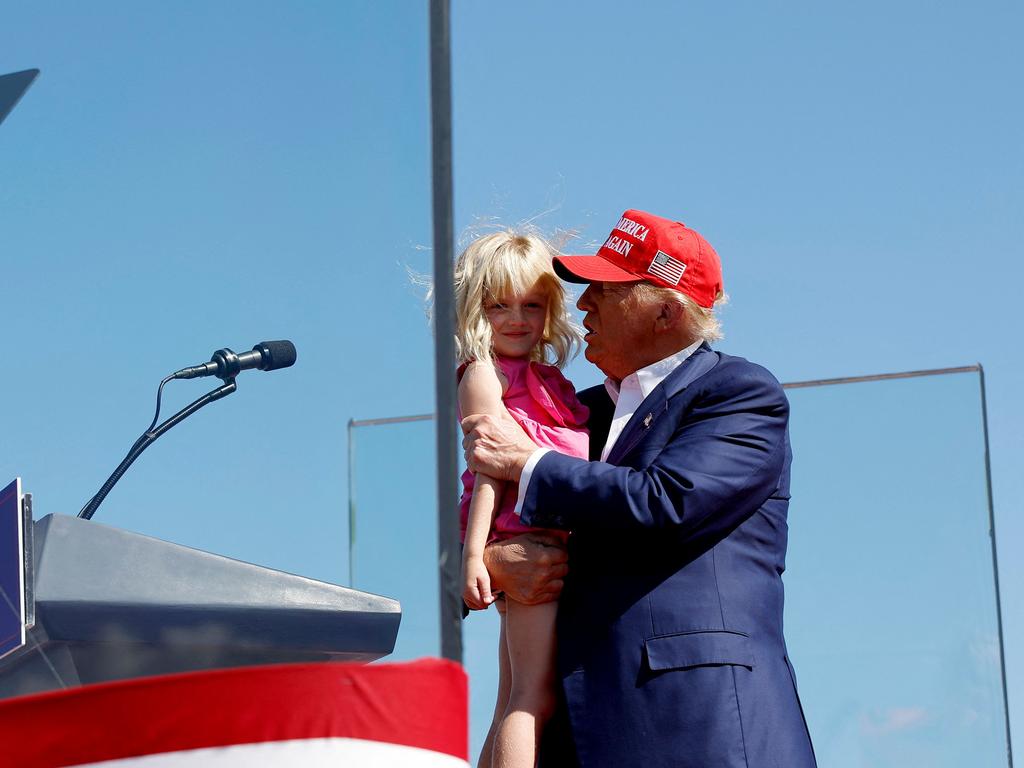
x=504 y=686
x=530 y=635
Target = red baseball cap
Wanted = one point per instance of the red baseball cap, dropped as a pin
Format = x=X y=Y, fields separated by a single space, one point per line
x=647 y=247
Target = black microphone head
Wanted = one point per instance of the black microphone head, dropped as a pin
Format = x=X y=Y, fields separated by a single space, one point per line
x=276 y=354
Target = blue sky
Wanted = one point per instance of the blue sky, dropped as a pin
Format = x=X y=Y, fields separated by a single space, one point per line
x=191 y=176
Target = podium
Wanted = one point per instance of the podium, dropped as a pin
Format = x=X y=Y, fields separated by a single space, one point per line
x=111 y=604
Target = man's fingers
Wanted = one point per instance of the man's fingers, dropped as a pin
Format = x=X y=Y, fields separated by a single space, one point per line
x=553 y=589
x=552 y=558
x=548 y=594
x=485 y=592
x=554 y=562
x=559 y=571
x=552 y=545
x=471 y=422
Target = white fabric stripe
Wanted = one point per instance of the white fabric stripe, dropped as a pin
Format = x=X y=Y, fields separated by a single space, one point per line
x=669 y=274
x=298 y=753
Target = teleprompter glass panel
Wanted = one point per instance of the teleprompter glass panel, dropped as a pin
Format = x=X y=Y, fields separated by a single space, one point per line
x=890 y=597
x=394 y=553
x=891 y=613
x=393 y=527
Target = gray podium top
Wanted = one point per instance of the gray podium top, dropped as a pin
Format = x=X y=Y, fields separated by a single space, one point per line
x=111 y=604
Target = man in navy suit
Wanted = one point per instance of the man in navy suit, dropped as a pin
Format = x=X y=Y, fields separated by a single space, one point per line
x=670 y=644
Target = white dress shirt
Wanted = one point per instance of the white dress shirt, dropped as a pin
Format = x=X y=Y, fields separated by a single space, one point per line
x=627 y=396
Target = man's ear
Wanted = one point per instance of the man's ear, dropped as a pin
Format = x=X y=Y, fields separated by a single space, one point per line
x=671 y=317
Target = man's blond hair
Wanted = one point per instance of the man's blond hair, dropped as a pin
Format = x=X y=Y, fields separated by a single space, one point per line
x=702 y=322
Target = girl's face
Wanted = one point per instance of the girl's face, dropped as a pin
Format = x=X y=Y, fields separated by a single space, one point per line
x=517 y=322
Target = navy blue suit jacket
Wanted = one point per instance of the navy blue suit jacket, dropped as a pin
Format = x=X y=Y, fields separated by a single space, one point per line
x=670 y=644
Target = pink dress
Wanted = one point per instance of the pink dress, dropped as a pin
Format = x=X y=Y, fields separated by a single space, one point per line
x=543 y=402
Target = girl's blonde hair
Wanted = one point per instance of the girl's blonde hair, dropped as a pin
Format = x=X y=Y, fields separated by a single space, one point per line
x=503 y=264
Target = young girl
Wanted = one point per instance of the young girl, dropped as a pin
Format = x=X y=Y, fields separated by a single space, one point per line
x=511 y=319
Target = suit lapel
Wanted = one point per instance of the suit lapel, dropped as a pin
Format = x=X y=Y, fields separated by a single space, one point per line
x=601 y=411
x=655 y=404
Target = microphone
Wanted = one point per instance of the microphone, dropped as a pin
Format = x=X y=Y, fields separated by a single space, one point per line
x=225 y=364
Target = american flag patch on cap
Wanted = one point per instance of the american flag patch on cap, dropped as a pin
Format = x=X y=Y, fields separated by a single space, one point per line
x=668 y=269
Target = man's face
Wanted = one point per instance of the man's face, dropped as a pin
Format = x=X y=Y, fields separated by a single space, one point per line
x=619 y=327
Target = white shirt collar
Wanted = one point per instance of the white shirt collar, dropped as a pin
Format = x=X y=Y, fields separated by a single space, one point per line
x=646 y=379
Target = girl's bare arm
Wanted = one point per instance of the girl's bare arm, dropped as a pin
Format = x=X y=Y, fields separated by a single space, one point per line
x=480 y=392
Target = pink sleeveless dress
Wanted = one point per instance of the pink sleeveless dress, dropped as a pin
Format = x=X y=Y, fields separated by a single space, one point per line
x=543 y=402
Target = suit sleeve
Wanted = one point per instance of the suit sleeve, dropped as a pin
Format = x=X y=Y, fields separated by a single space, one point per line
x=723 y=459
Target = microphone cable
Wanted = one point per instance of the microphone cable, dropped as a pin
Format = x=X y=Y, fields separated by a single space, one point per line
x=159 y=393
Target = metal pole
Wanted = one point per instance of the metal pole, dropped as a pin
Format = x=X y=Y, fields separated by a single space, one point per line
x=995 y=563
x=880 y=377
x=351 y=505
x=389 y=420
x=444 y=332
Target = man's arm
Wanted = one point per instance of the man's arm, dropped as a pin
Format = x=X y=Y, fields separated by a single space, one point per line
x=723 y=460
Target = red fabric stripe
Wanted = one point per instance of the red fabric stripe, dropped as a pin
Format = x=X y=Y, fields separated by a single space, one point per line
x=419 y=704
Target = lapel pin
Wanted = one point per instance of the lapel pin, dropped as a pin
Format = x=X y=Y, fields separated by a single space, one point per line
x=647 y=420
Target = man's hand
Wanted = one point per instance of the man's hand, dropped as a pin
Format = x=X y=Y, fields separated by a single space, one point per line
x=496 y=446
x=529 y=568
